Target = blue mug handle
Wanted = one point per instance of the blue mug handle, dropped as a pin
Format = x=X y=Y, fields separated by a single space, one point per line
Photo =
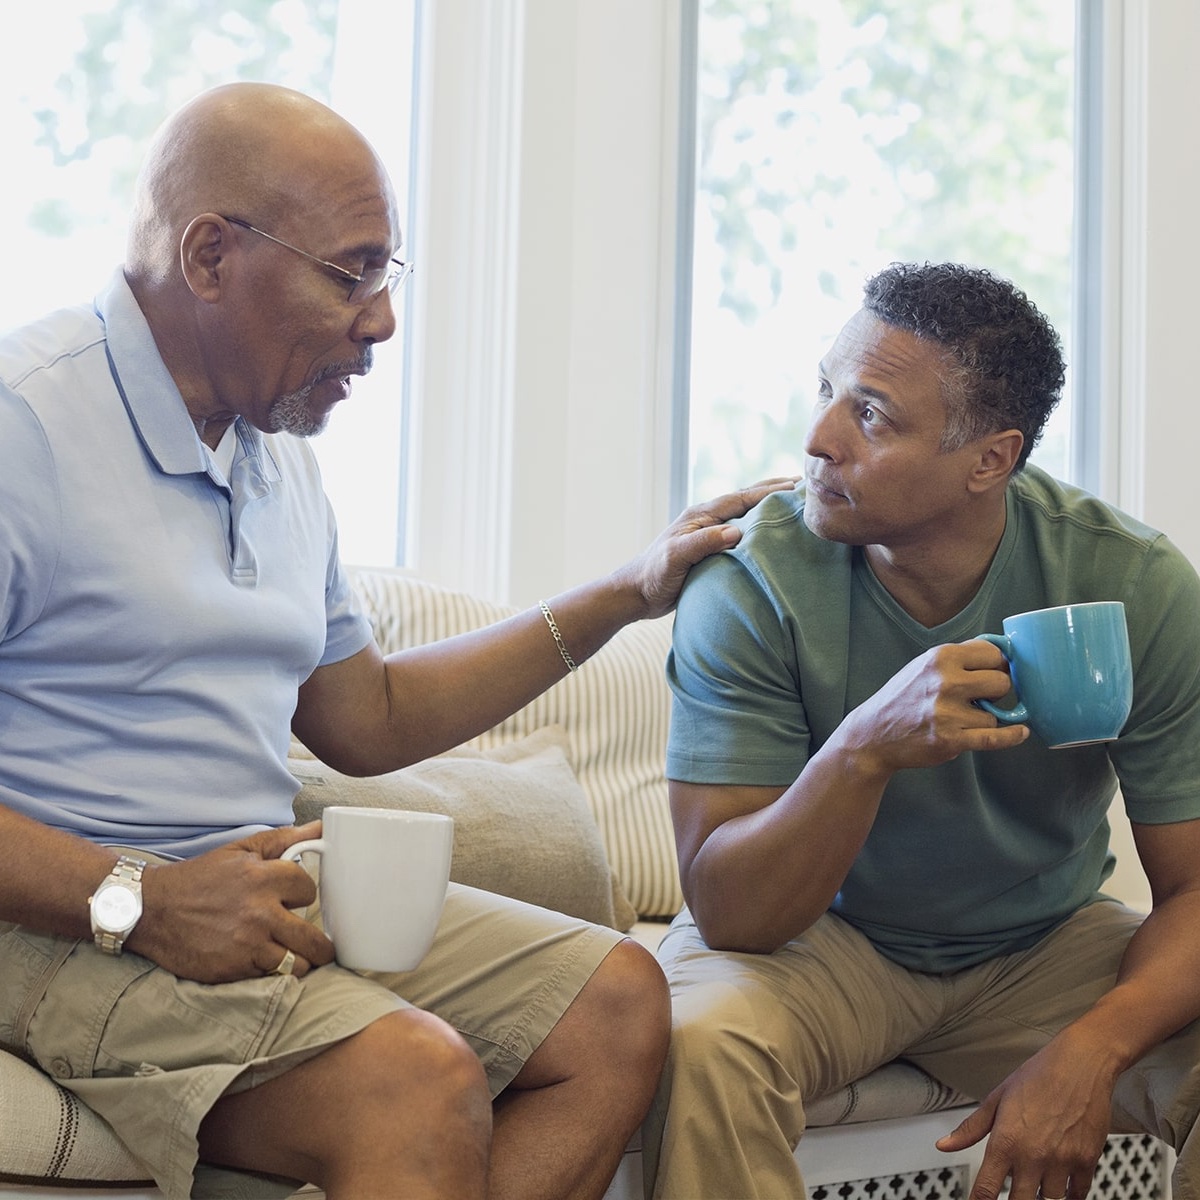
x=1018 y=714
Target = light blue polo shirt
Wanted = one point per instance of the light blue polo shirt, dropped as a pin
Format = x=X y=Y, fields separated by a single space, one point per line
x=156 y=619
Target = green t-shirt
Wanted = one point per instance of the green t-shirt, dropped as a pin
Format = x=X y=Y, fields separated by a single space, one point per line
x=778 y=639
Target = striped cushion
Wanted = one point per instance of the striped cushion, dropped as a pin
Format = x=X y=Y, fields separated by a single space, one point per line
x=897 y=1089
x=47 y=1134
x=615 y=710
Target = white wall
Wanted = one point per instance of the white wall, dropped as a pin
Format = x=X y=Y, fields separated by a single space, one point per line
x=546 y=290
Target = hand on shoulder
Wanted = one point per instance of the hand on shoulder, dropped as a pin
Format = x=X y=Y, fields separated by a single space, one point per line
x=658 y=573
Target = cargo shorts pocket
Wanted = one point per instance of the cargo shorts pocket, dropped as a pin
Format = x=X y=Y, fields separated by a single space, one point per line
x=28 y=963
x=67 y=1003
x=166 y=1023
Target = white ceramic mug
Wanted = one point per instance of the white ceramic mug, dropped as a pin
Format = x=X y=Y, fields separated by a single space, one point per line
x=382 y=883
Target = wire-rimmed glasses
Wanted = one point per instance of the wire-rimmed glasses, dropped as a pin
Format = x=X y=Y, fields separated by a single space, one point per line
x=362 y=287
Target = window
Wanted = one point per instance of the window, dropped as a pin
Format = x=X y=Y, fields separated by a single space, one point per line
x=835 y=136
x=547 y=251
x=82 y=99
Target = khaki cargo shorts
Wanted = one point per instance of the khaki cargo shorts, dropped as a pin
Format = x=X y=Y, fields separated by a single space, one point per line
x=152 y=1053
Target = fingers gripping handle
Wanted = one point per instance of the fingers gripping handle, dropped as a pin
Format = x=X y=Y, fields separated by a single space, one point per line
x=312 y=846
x=1018 y=714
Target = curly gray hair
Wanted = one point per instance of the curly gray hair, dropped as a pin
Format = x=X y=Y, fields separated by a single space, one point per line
x=1005 y=359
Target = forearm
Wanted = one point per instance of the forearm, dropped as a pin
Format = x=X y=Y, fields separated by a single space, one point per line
x=48 y=876
x=761 y=878
x=221 y=916
x=472 y=682
x=371 y=715
x=1157 y=990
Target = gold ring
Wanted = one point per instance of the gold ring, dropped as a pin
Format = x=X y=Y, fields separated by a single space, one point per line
x=286 y=964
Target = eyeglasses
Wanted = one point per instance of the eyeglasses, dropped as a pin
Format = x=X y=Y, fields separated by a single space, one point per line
x=362 y=287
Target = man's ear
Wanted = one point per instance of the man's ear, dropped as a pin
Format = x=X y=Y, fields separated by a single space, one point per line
x=202 y=250
x=998 y=457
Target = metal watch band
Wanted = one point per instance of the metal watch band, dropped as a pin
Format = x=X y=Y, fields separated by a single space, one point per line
x=129 y=868
x=126 y=870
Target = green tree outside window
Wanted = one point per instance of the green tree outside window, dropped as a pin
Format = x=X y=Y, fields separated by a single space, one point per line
x=835 y=136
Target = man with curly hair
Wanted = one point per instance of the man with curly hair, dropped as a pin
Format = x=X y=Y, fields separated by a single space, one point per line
x=874 y=867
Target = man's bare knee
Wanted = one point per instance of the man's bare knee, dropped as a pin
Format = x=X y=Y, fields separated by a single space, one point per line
x=620 y=1021
x=589 y=1083
x=395 y=1097
x=636 y=1001
x=410 y=1057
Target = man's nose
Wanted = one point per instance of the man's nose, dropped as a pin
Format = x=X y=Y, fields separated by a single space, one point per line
x=823 y=438
x=376 y=320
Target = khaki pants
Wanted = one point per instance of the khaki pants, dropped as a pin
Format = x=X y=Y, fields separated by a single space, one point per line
x=754 y=1036
x=152 y=1053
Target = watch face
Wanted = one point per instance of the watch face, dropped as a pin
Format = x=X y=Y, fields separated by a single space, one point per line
x=115 y=909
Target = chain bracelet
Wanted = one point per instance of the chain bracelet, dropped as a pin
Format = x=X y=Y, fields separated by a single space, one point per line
x=558 y=637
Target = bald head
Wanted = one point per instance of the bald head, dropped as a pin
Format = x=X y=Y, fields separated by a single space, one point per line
x=248 y=149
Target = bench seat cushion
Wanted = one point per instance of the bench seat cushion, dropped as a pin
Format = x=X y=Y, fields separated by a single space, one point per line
x=47 y=1134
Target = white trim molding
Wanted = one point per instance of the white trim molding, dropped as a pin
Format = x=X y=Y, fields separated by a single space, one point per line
x=459 y=455
x=543 y=320
x=1151 y=286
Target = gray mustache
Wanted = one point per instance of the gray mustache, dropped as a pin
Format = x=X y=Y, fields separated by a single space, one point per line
x=358 y=366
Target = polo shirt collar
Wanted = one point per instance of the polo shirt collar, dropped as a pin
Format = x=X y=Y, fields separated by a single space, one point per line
x=151 y=398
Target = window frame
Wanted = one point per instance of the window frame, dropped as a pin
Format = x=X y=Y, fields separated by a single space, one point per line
x=1082 y=354
x=539 y=454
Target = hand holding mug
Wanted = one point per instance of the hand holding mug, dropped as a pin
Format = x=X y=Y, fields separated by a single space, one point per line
x=382 y=883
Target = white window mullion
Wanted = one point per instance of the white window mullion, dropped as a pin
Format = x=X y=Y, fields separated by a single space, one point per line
x=539 y=454
x=1158 y=178
x=460 y=445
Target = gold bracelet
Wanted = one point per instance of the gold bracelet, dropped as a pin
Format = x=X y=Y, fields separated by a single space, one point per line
x=558 y=638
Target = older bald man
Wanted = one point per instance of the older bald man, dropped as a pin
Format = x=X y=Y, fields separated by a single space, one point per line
x=171 y=607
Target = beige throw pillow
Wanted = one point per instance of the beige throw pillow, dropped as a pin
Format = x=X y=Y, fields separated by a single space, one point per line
x=616 y=710
x=522 y=826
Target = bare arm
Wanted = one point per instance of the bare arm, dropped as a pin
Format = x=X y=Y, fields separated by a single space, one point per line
x=760 y=865
x=369 y=714
x=1048 y=1120
x=48 y=876
x=224 y=915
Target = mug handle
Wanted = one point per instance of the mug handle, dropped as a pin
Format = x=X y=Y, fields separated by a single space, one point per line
x=1018 y=714
x=293 y=853
x=313 y=845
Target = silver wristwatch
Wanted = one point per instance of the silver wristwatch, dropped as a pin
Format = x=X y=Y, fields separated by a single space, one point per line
x=117 y=904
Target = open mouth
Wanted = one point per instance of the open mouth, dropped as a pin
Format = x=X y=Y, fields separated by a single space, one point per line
x=338 y=378
x=344 y=371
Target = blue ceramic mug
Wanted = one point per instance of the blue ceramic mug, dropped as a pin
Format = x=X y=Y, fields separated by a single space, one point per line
x=1070 y=670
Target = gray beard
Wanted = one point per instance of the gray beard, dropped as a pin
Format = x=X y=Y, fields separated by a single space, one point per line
x=290 y=412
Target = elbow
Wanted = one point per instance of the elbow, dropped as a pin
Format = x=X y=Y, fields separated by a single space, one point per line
x=747 y=945
x=728 y=932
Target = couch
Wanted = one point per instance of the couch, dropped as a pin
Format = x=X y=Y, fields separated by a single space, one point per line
x=565 y=805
